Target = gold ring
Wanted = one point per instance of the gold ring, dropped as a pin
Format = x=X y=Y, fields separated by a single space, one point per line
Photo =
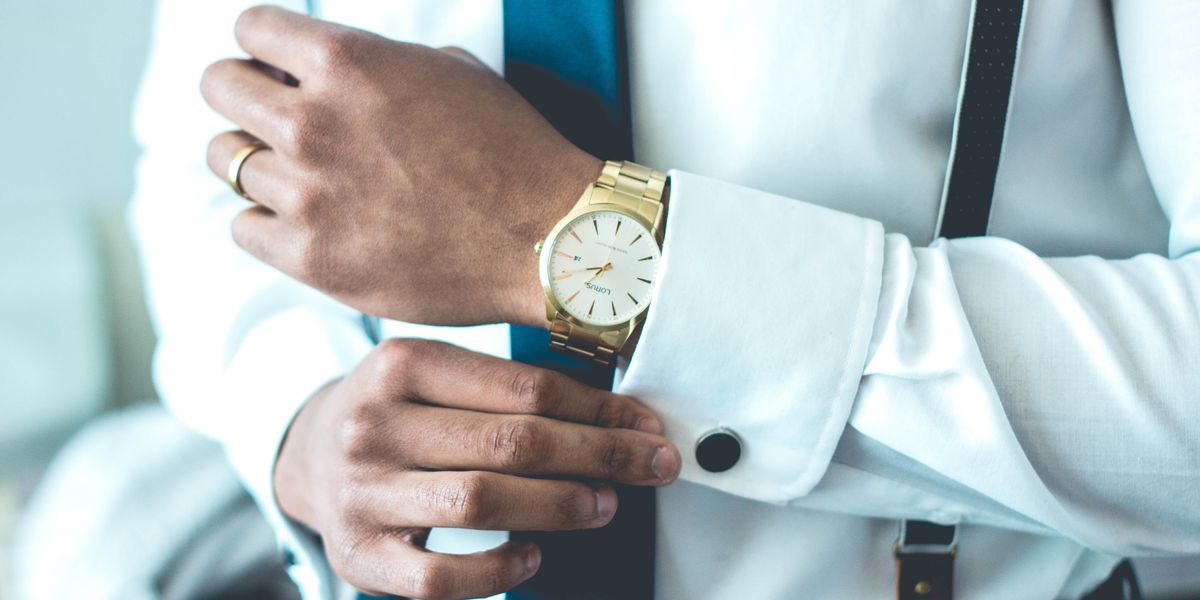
x=234 y=174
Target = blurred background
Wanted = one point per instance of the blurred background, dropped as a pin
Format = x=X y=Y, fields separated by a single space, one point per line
x=74 y=337
x=75 y=341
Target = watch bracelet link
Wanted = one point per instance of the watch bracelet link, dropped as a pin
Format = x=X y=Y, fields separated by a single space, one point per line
x=639 y=189
x=635 y=187
x=565 y=337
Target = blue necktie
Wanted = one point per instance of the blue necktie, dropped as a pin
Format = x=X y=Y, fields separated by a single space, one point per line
x=568 y=60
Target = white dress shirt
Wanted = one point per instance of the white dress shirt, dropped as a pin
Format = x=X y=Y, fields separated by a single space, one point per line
x=1040 y=386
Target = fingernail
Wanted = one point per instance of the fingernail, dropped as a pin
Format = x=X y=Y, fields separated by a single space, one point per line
x=649 y=425
x=606 y=502
x=664 y=464
x=533 y=559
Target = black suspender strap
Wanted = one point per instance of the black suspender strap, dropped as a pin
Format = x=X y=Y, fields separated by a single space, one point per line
x=925 y=551
x=1122 y=584
x=982 y=112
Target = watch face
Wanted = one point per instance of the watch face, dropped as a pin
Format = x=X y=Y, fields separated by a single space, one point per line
x=601 y=268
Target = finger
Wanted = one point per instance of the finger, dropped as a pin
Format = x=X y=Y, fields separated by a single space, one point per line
x=487 y=501
x=450 y=439
x=398 y=567
x=263 y=174
x=451 y=376
x=296 y=43
x=243 y=92
x=261 y=233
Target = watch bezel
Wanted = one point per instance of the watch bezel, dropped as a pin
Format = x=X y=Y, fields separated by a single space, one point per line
x=553 y=307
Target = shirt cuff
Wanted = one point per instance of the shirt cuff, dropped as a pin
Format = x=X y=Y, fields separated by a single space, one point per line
x=762 y=313
x=277 y=367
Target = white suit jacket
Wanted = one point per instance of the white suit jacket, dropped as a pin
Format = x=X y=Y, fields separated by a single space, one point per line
x=1039 y=386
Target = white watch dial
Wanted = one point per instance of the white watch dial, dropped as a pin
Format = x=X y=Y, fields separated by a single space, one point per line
x=602 y=266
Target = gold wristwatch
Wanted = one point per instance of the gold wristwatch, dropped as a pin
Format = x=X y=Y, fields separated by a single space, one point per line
x=598 y=264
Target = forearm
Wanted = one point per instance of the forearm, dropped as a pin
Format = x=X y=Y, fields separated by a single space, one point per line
x=987 y=369
x=1059 y=389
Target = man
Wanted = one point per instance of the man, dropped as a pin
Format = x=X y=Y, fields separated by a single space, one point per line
x=853 y=371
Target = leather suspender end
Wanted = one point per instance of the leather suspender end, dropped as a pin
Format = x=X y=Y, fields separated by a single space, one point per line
x=925 y=560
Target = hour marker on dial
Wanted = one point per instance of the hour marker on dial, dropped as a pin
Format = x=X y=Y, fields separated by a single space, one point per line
x=614 y=262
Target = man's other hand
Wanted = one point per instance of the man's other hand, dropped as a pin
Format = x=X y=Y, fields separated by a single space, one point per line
x=424 y=434
x=405 y=181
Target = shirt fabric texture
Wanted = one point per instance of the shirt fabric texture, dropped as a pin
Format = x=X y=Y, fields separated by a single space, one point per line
x=1039 y=386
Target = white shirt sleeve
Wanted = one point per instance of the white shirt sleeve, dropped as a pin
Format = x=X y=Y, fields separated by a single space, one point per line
x=241 y=346
x=967 y=381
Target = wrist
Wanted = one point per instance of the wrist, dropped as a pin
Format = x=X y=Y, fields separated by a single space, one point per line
x=560 y=193
x=624 y=193
x=535 y=299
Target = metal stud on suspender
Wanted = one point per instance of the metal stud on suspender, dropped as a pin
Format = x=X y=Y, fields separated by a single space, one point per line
x=925 y=551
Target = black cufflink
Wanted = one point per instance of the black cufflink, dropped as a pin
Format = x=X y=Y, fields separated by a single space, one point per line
x=718 y=450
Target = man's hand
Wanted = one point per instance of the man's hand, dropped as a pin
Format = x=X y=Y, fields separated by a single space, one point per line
x=407 y=182
x=424 y=434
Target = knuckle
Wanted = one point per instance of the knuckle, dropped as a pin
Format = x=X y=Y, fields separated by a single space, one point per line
x=461 y=53
x=431 y=580
x=299 y=130
x=393 y=365
x=346 y=553
x=335 y=50
x=398 y=351
x=395 y=356
x=251 y=18
x=350 y=502
x=304 y=201
x=612 y=410
x=359 y=432
x=532 y=391
x=615 y=457
x=213 y=75
x=465 y=499
x=516 y=443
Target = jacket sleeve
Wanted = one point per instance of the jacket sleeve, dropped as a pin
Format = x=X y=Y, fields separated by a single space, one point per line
x=967 y=381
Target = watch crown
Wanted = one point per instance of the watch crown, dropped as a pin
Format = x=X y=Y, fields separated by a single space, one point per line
x=537 y=248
